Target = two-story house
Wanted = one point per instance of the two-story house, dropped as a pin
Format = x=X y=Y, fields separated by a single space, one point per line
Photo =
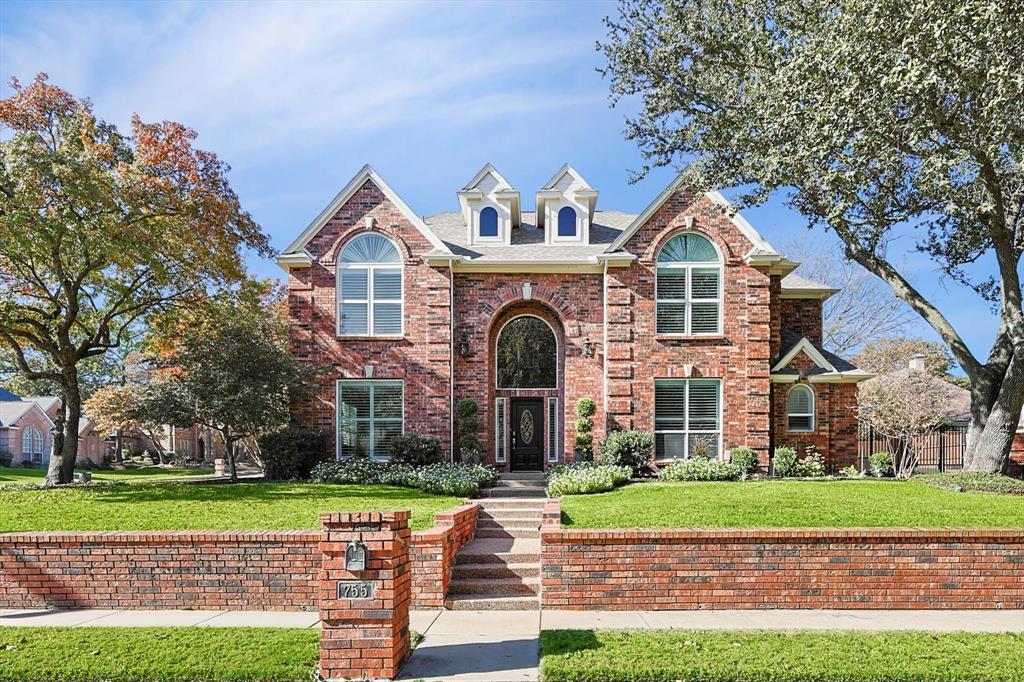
x=681 y=320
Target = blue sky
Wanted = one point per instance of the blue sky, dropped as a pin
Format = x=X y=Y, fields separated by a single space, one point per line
x=298 y=96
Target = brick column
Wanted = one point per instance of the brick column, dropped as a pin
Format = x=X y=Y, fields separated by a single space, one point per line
x=365 y=637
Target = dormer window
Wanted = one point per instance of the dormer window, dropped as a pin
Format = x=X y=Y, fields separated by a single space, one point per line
x=489 y=222
x=490 y=207
x=565 y=207
x=566 y=222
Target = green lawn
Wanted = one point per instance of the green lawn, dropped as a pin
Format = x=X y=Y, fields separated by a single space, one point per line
x=633 y=656
x=9 y=475
x=790 y=504
x=157 y=654
x=208 y=506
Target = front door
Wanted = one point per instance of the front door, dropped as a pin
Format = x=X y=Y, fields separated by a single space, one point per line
x=527 y=434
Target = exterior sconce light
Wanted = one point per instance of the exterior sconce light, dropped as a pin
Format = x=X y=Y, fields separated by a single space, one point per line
x=588 y=348
x=464 y=346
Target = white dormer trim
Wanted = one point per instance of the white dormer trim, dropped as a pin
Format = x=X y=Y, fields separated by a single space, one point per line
x=502 y=197
x=830 y=376
x=762 y=248
x=578 y=195
x=804 y=345
x=296 y=255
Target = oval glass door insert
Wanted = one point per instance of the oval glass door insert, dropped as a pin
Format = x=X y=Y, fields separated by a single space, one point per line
x=526 y=427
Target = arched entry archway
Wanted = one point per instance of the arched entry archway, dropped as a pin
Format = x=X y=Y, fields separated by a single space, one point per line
x=526 y=379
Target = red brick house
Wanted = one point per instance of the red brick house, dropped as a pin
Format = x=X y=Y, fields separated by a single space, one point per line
x=682 y=320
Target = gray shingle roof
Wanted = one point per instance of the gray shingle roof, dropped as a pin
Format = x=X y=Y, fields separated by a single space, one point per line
x=795 y=282
x=790 y=339
x=13 y=410
x=528 y=239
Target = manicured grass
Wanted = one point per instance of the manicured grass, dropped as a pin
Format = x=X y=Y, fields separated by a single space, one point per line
x=633 y=656
x=209 y=506
x=975 y=481
x=790 y=504
x=9 y=475
x=157 y=654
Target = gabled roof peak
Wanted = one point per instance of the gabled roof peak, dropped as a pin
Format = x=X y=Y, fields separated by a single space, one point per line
x=557 y=180
x=499 y=181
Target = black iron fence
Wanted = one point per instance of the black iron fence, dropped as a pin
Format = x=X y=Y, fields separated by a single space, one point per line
x=940 y=450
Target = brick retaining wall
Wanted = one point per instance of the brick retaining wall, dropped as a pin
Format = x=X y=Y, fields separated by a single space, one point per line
x=160 y=570
x=257 y=570
x=432 y=554
x=822 y=568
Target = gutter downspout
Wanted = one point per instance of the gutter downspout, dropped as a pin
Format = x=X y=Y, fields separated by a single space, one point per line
x=451 y=356
x=604 y=360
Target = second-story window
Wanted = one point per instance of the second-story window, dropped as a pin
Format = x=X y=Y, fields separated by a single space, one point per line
x=370 y=287
x=566 y=222
x=489 y=222
x=689 y=287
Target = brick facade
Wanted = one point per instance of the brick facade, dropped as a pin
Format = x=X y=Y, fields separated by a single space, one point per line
x=827 y=568
x=452 y=318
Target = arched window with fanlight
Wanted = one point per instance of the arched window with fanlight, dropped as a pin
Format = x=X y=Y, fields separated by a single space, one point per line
x=370 y=287
x=489 y=222
x=566 y=222
x=32 y=445
x=800 y=408
x=688 y=287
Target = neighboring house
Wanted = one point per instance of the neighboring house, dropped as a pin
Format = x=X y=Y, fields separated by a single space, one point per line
x=682 y=320
x=195 y=442
x=25 y=431
x=91 y=444
x=956 y=403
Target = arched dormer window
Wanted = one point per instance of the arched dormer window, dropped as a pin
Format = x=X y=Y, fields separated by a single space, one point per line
x=567 y=221
x=800 y=408
x=489 y=222
x=370 y=287
x=689 y=287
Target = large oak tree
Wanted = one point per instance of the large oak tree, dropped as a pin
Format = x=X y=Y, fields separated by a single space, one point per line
x=873 y=118
x=99 y=229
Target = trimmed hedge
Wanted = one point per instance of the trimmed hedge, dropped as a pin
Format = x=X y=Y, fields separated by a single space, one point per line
x=440 y=479
x=584 y=478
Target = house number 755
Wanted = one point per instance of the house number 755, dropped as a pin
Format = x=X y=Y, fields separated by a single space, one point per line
x=355 y=589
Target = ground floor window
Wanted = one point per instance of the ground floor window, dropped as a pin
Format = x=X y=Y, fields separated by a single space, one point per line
x=370 y=416
x=687 y=418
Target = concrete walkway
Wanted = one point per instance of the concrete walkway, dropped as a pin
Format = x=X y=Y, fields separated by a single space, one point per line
x=503 y=646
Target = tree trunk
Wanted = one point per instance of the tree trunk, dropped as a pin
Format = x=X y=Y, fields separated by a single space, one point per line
x=62 y=462
x=56 y=447
x=231 y=460
x=994 y=421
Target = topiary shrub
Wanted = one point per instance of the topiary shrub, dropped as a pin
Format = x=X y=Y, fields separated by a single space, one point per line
x=785 y=462
x=700 y=469
x=584 y=442
x=880 y=465
x=633 y=449
x=416 y=450
x=468 y=426
x=292 y=452
x=745 y=460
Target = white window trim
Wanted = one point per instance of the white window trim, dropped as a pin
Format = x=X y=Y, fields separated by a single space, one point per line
x=337 y=413
x=369 y=301
x=811 y=414
x=689 y=300
x=686 y=431
x=577 y=236
x=480 y=238
x=555 y=432
x=558 y=355
x=500 y=431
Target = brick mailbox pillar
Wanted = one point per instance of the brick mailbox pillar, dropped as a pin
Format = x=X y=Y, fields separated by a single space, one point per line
x=364 y=607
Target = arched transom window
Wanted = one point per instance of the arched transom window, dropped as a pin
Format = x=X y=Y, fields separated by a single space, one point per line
x=527 y=354
x=370 y=288
x=689 y=287
x=801 y=408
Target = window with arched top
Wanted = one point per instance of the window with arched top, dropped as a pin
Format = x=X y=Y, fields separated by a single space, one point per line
x=32 y=444
x=800 y=408
x=527 y=354
x=688 y=287
x=489 y=222
x=370 y=287
x=567 y=221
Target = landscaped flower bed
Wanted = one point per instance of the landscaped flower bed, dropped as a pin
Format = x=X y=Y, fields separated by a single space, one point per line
x=464 y=480
x=584 y=478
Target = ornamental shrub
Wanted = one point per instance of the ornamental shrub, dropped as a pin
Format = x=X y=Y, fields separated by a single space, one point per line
x=849 y=472
x=414 y=449
x=584 y=478
x=292 y=452
x=5 y=458
x=811 y=466
x=468 y=427
x=460 y=480
x=585 y=407
x=584 y=442
x=880 y=465
x=785 y=462
x=745 y=460
x=633 y=449
x=700 y=469
x=584 y=424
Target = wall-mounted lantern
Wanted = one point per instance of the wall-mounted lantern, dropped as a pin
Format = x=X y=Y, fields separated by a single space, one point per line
x=464 y=346
x=588 y=348
x=355 y=556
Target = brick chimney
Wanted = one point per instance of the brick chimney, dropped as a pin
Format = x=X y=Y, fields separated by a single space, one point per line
x=916 y=363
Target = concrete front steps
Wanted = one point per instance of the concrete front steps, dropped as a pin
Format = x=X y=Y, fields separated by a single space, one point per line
x=500 y=569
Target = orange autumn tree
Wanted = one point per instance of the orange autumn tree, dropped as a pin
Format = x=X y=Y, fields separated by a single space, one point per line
x=98 y=230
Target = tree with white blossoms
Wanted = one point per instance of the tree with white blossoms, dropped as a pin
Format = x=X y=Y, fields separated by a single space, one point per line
x=876 y=119
x=902 y=408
